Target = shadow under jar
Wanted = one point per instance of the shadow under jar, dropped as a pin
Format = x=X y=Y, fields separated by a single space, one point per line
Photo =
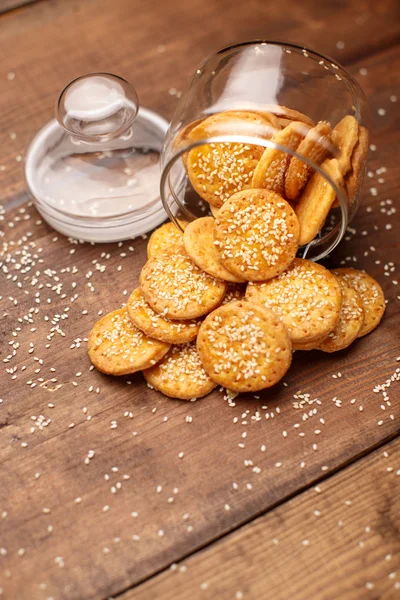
x=275 y=116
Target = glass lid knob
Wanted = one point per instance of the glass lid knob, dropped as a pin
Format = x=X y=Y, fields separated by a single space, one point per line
x=97 y=107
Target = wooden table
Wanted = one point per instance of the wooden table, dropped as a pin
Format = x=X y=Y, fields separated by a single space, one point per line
x=109 y=489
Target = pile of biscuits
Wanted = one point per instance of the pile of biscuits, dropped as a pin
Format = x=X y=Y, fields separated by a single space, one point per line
x=226 y=302
x=217 y=171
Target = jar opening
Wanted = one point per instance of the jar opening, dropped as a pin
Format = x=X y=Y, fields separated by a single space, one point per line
x=182 y=202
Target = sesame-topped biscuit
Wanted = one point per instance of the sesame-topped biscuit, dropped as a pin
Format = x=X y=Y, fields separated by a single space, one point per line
x=159 y=327
x=176 y=288
x=117 y=347
x=371 y=293
x=216 y=171
x=256 y=234
x=198 y=240
x=345 y=137
x=316 y=200
x=313 y=345
x=315 y=146
x=164 y=238
x=244 y=347
x=352 y=179
x=306 y=297
x=180 y=374
x=271 y=168
x=350 y=322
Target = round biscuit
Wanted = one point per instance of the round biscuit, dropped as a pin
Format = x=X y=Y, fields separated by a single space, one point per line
x=350 y=322
x=371 y=293
x=175 y=287
x=180 y=374
x=198 y=240
x=358 y=162
x=345 y=137
x=117 y=347
x=270 y=171
x=306 y=297
x=256 y=234
x=156 y=326
x=244 y=347
x=315 y=147
x=164 y=238
x=313 y=345
x=316 y=200
x=216 y=171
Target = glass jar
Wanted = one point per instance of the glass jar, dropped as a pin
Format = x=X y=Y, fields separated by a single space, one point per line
x=269 y=115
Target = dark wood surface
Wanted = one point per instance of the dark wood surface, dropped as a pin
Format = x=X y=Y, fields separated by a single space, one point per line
x=6 y=5
x=337 y=540
x=79 y=549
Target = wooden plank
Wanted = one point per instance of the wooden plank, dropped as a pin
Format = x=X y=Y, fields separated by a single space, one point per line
x=339 y=540
x=97 y=548
x=6 y=5
x=48 y=44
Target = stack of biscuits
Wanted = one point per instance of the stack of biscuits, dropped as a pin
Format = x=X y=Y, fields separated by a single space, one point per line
x=223 y=300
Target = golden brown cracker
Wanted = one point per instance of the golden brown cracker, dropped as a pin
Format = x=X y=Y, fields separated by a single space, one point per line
x=358 y=162
x=180 y=374
x=218 y=170
x=350 y=322
x=315 y=146
x=313 y=345
x=117 y=347
x=164 y=238
x=156 y=326
x=176 y=288
x=371 y=294
x=198 y=240
x=256 y=234
x=270 y=171
x=345 y=137
x=316 y=201
x=244 y=347
x=306 y=297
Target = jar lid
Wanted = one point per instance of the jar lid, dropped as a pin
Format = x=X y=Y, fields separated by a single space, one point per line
x=94 y=170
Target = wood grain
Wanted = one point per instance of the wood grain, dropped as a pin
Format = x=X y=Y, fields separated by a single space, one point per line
x=53 y=289
x=47 y=44
x=340 y=540
x=6 y=5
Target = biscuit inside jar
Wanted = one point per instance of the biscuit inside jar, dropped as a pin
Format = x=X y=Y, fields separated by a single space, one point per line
x=217 y=171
